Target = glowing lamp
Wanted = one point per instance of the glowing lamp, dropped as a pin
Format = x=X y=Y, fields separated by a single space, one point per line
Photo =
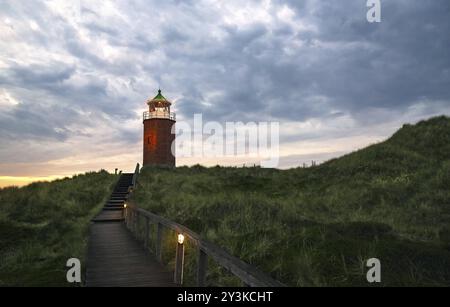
x=180 y=238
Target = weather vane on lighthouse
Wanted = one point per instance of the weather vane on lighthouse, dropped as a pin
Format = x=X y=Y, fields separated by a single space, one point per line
x=158 y=136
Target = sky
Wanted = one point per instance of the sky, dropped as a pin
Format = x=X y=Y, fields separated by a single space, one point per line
x=75 y=75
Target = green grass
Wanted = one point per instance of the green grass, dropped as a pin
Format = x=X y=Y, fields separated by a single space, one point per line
x=44 y=224
x=318 y=226
x=305 y=227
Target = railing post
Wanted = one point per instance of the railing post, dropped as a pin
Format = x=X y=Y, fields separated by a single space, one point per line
x=159 y=233
x=136 y=173
x=179 y=263
x=135 y=217
x=202 y=266
x=125 y=216
x=138 y=219
x=130 y=219
x=147 y=232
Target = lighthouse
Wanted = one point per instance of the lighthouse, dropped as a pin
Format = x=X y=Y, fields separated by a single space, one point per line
x=158 y=136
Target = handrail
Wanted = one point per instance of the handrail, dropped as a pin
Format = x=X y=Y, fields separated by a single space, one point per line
x=248 y=274
x=135 y=175
x=164 y=115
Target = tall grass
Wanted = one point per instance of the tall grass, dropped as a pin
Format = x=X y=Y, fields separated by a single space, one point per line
x=44 y=224
x=318 y=226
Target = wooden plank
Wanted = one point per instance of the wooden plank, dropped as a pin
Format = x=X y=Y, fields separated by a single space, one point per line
x=115 y=258
x=147 y=232
x=159 y=234
x=133 y=222
x=107 y=216
x=247 y=273
x=135 y=175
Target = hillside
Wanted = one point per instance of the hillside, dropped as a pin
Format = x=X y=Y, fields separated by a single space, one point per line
x=306 y=227
x=44 y=224
x=317 y=226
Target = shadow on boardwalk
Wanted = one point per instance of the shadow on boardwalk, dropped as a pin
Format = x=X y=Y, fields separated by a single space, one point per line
x=115 y=258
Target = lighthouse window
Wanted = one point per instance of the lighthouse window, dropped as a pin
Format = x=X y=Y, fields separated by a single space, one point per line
x=148 y=140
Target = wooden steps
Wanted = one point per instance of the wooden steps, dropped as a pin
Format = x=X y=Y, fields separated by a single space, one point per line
x=115 y=258
x=109 y=216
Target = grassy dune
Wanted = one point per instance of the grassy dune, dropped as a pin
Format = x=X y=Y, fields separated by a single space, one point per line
x=44 y=224
x=305 y=227
x=318 y=226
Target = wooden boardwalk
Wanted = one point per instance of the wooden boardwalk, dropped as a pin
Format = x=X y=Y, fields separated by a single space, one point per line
x=115 y=258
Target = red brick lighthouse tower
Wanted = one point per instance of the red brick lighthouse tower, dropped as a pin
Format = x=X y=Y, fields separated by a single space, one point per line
x=158 y=137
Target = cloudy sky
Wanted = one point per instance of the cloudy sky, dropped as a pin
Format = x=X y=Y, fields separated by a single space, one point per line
x=75 y=75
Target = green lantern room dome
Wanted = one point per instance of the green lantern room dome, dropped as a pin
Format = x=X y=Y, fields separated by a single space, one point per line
x=159 y=96
x=159 y=101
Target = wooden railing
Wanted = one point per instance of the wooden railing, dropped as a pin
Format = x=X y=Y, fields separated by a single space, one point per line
x=135 y=176
x=248 y=274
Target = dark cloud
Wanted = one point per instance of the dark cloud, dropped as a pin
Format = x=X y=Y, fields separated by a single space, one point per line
x=38 y=76
x=292 y=61
x=36 y=122
x=405 y=59
x=353 y=64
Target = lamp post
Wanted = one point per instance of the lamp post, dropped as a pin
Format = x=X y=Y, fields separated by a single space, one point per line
x=179 y=260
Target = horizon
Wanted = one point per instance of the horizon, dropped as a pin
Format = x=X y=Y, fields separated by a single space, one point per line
x=74 y=78
x=9 y=182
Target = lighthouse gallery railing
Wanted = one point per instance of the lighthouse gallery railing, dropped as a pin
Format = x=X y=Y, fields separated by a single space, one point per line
x=163 y=115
